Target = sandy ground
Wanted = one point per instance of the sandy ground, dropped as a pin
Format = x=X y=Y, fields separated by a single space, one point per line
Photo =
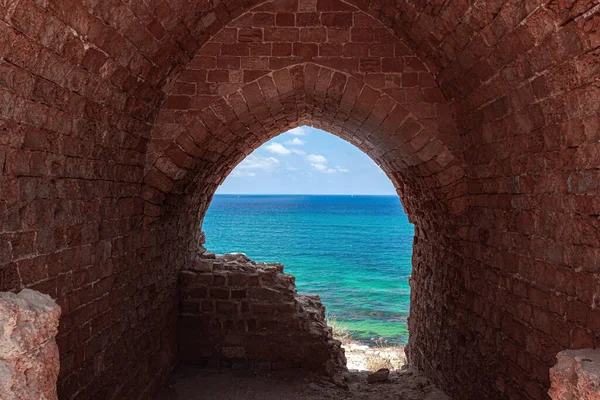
x=192 y=383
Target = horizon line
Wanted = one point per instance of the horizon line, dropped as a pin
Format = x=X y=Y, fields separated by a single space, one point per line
x=306 y=194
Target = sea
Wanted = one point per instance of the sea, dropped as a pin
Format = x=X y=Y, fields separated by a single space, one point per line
x=353 y=251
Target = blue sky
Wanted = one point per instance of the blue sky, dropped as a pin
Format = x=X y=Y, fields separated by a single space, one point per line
x=306 y=160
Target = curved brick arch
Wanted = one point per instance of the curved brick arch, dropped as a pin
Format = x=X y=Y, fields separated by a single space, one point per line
x=213 y=140
x=400 y=117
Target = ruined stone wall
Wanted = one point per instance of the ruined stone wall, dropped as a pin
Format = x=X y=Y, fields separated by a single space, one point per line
x=29 y=359
x=576 y=375
x=237 y=311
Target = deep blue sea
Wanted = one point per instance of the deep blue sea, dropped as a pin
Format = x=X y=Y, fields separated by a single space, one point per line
x=353 y=251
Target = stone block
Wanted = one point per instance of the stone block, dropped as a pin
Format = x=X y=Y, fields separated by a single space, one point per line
x=203 y=265
x=576 y=375
x=29 y=361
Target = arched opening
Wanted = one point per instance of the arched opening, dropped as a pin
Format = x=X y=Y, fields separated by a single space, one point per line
x=424 y=170
x=392 y=111
x=327 y=212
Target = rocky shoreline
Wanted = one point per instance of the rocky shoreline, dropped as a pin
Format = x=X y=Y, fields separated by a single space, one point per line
x=362 y=357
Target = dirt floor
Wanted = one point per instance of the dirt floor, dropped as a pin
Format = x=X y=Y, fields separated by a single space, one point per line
x=192 y=383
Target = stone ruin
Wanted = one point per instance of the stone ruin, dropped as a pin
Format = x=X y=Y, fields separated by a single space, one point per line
x=119 y=120
x=576 y=375
x=237 y=312
x=29 y=360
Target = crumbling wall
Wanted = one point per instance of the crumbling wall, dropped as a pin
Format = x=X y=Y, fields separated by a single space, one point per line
x=576 y=375
x=237 y=311
x=29 y=361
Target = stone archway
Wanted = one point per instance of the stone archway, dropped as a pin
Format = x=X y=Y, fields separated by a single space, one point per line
x=211 y=141
x=506 y=250
x=251 y=82
x=337 y=68
x=276 y=67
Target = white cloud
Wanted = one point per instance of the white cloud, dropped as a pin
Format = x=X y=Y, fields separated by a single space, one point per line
x=298 y=131
x=291 y=168
x=241 y=174
x=324 y=169
x=316 y=159
x=299 y=152
x=278 y=148
x=319 y=163
x=296 y=142
x=253 y=163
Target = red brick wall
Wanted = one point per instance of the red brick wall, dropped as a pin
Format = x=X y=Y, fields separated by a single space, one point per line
x=236 y=312
x=78 y=94
x=118 y=121
x=529 y=116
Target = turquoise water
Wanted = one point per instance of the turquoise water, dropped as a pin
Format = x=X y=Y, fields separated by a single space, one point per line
x=353 y=251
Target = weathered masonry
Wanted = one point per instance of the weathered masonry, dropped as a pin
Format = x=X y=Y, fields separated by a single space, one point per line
x=234 y=311
x=119 y=119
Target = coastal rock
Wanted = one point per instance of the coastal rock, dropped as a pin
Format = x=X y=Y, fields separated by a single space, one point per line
x=576 y=375
x=29 y=361
x=381 y=375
